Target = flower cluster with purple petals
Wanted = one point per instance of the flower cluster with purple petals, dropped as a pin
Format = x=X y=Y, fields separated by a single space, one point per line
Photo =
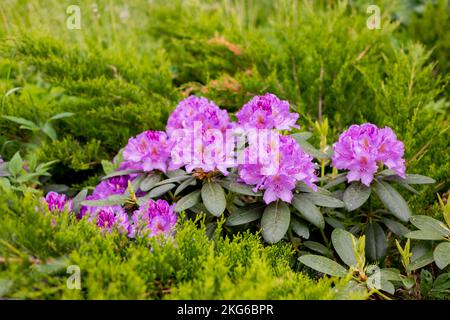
x=197 y=129
x=267 y=112
x=148 y=151
x=58 y=202
x=279 y=167
x=362 y=149
x=153 y=218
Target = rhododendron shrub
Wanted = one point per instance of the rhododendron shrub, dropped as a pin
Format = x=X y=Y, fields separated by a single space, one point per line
x=259 y=172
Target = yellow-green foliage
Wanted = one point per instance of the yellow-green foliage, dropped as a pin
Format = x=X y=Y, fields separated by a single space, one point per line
x=36 y=248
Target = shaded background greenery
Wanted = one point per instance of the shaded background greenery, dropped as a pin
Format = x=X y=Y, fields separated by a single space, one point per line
x=132 y=61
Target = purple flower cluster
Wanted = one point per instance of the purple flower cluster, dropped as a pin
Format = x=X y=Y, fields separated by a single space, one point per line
x=267 y=112
x=361 y=149
x=197 y=129
x=109 y=218
x=153 y=218
x=149 y=220
x=278 y=168
x=197 y=109
x=150 y=150
x=58 y=202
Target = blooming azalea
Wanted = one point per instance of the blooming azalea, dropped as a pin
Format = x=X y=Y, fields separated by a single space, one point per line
x=278 y=168
x=109 y=218
x=58 y=202
x=267 y=112
x=148 y=151
x=153 y=218
x=197 y=130
x=362 y=148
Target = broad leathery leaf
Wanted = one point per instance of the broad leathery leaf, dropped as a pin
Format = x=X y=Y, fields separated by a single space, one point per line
x=429 y=224
x=246 y=214
x=392 y=200
x=300 y=228
x=376 y=242
x=275 y=221
x=324 y=265
x=213 y=197
x=356 y=195
x=442 y=255
x=159 y=191
x=188 y=201
x=343 y=242
x=149 y=182
x=308 y=210
x=324 y=200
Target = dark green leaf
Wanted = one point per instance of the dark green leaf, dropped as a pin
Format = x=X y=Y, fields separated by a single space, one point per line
x=300 y=228
x=213 y=197
x=356 y=195
x=120 y=173
x=418 y=179
x=159 y=191
x=392 y=200
x=318 y=247
x=186 y=183
x=78 y=199
x=176 y=173
x=421 y=262
x=343 y=242
x=310 y=149
x=308 y=210
x=341 y=178
x=239 y=188
x=302 y=135
x=149 y=182
x=442 y=255
x=324 y=200
x=24 y=122
x=188 y=201
x=245 y=215
x=376 y=242
x=396 y=227
x=424 y=235
x=176 y=179
x=324 y=265
x=113 y=200
x=430 y=225
x=275 y=221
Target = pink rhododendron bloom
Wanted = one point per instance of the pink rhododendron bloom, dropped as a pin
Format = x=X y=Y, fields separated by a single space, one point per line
x=267 y=112
x=110 y=218
x=58 y=202
x=197 y=130
x=114 y=185
x=153 y=218
x=362 y=148
x=280 y=164
x=150 y=150
x=197 y=109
